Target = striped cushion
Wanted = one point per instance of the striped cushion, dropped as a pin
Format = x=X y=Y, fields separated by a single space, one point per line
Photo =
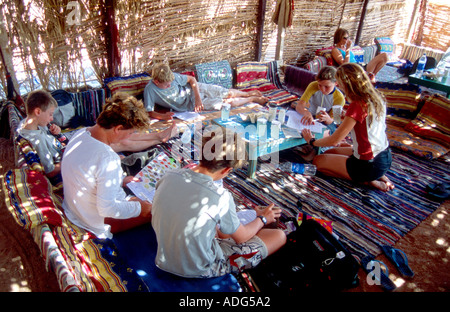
x=408 y=142
x=401 y=105
x=433 y=121
x=96 y=262
x=316 y=64
x=369 y=53
x=133 y=85
x=255 y=75
x=29 y=196
x=250 y=73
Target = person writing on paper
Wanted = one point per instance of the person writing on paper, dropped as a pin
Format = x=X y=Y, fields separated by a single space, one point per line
x=342 y=53
x=370 y=157
x=319 y=98
x=183 y=93
x=92 y=174
x=198 y=230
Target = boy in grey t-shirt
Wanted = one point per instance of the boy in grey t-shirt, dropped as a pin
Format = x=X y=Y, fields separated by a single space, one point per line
x=40 y=107
x=198 y=231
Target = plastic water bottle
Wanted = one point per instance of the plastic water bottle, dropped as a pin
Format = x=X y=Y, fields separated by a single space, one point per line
x=421 y=65
x=306 y=169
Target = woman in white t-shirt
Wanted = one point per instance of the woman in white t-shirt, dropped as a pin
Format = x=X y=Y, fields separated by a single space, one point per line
x=370 y=157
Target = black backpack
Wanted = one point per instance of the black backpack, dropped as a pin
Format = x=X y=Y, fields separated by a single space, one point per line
x=312 y=259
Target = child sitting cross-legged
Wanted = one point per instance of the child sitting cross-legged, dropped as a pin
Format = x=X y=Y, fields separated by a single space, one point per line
x=198 y=231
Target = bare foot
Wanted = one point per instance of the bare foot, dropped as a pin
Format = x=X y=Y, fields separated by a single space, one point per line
x=382 y=184
x=388 y=182
x=255 y=93
x=260 y=99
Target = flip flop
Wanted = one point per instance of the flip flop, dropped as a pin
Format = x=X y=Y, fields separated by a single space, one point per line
x=369 y=264
x=399 y=259
x=441 y=190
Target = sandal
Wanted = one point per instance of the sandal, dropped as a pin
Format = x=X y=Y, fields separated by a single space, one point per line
x=383 y=280
x=440 y=190
x=399 y=259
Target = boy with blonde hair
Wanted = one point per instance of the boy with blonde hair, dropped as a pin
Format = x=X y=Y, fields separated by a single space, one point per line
x=183 y=93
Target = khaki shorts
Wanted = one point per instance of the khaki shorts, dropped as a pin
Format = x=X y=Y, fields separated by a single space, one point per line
x=238 y=257
x=212 y=95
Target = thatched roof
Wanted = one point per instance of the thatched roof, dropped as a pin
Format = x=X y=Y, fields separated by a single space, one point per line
x=49 y=42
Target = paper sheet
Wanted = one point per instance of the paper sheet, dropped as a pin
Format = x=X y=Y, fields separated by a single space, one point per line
x=246 y=215
x=186 y=116
x=294 y=121
x=147 y=178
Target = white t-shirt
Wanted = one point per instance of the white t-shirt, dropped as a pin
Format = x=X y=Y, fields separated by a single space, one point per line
x=187 y=208
x=92 y=179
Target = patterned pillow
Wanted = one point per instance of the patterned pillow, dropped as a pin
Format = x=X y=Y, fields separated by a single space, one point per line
x=29 y=196
x=385 y=44
x=217 y=73
x=358 y=52
x=326 y=53
x=133 y=85
x=250 y=73
x=432 y=122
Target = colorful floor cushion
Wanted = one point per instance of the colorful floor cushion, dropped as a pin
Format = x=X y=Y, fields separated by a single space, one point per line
x=28 y=194
x=133 y=85
x=254 y=76
x=433 y=122
x=217 y=73
x=90 y=264
x=408 y=142
x=402 y=103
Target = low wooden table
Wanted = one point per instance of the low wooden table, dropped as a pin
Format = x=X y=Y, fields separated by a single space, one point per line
x=441 y=85
x=256 y=147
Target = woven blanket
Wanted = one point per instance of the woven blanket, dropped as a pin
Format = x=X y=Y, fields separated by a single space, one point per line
x=363 y=218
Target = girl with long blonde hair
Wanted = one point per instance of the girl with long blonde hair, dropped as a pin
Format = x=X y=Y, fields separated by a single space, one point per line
x=369 y=158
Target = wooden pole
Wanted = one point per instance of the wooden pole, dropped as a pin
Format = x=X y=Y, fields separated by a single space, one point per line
x=361 y=22
x=111 y=38
x=412 y=22
x=260 y=29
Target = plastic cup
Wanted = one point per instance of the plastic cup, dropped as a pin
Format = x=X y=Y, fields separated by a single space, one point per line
x=281 y=115
x=225 y=111
x=275 y=129
x=337 y=109
x=261 y=127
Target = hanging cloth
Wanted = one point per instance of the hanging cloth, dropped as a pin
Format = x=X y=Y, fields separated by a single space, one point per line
x=284 y=11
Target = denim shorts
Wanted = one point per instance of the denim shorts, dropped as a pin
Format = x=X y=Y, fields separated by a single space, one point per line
x=369 y=170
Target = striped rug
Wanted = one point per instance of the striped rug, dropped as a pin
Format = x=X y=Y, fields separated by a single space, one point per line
x=363 y=218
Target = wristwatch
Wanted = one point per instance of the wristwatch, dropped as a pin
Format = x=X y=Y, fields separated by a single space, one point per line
x=263 y=219
x=311 y=142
